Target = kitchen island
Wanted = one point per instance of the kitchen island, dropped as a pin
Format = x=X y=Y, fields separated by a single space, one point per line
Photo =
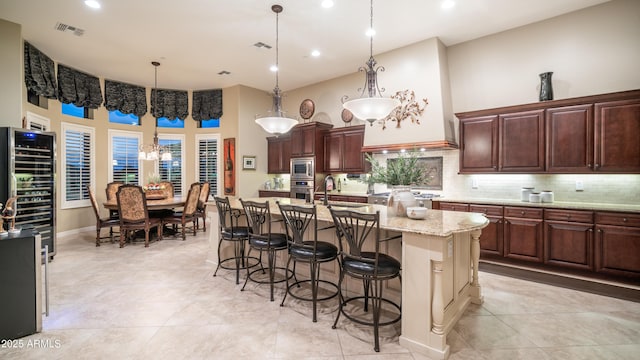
x=439 y=257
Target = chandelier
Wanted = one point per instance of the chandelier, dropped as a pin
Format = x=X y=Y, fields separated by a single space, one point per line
x=275 y=120
x=154 y=151
x=372 y=107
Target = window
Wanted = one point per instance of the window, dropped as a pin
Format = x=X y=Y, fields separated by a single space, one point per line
x=77 y=111
x=123 y=154
x=211 y=123
x=173 y=170
x=37 y=122
x=166 y=123
x=208 y=150
x=118 y=117
x=78 y=164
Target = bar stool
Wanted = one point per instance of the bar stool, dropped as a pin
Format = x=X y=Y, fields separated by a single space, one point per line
x=372 y=267
x=230 y=230
x=299 y=219
x=261 y=238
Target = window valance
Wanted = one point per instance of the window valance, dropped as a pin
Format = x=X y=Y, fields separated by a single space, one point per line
x=171 y=104
x=39 y=72
x=126 y=98
x=207 y=104
x=78 y=88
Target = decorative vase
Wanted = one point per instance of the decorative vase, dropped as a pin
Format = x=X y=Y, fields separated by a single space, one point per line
x=546 y=90
x=400 y=199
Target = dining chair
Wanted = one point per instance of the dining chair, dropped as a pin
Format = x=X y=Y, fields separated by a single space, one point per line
x=201 y=210
x=361 y=259
x=262 y=239
x=168 y=188
x=111 y=190
x=301 y=226
x=188 y=213
x=101 y=223
x=134 y=215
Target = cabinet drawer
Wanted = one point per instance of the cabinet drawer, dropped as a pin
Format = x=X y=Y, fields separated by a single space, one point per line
x=619 y=219
x=491 y=210
x=454 y=206
x=523 y=212
x=569 y=215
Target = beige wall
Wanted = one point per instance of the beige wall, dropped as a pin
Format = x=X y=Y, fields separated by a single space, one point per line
x=11 y=73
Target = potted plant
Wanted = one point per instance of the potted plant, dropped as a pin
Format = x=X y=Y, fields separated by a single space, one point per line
x=399 y=174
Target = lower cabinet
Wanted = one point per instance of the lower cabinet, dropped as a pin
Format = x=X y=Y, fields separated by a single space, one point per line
x=568 y=239
x=523 y=233
x=600 y=244
x=617 y=245
x=345 y=198
x=491 y=239
x=272 y=193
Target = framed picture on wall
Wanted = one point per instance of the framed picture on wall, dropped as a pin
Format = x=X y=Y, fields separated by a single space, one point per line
x=248 y=162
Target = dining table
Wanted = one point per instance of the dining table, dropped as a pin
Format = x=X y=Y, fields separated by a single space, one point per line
x=153 y=204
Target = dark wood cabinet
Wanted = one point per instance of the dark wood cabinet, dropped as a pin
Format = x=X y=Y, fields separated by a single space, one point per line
x=523 y=233
x=479 y=144
x=452 y=206
x=307 y=140
x=345 y=198
x=521 y=142
x=568 y=239
x=278 y=154
x=569 y=139
x=617 y=130
x=272 y=193
x=581 y=135
x=343 y=150
x=617 y=248
x=492 y=237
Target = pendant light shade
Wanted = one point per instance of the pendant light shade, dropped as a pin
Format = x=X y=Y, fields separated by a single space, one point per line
x=275 y=120
x=371 y=106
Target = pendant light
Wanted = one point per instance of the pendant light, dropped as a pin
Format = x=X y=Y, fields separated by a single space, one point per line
x=275 y=120
x=154 y=151
x=373 y=106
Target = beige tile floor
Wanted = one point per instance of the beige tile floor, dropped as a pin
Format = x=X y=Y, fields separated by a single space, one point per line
x=163 y=303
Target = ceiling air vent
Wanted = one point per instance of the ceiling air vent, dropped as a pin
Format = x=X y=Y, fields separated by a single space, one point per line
x=260 y=44
x=68 y=28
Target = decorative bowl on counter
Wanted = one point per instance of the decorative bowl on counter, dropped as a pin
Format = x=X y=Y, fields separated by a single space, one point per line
x=416 y=212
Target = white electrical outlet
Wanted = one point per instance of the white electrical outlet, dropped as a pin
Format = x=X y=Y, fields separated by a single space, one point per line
x=474 y=183
x=579 y=185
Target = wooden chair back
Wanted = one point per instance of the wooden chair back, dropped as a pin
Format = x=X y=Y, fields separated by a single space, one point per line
x=132 y=204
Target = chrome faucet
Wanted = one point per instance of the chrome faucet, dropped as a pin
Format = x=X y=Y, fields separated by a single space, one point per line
x=328 y=179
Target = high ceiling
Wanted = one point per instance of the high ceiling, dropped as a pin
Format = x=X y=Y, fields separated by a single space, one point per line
x=196 y=39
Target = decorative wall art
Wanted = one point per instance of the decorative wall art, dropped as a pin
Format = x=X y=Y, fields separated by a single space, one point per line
x=229 y=166
x=248 y=162
x=409 y=109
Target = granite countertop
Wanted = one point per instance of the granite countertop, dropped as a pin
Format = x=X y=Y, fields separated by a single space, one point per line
x=344 y=193
x=437 y=222
x=553 y=205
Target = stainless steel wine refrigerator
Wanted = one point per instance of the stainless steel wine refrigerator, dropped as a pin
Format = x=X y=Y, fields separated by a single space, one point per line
x=27 y=171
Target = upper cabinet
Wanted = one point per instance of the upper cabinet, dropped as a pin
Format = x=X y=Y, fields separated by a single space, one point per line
x=581 y=135
x=343 y=150
x=308 y=140
x=278 y=154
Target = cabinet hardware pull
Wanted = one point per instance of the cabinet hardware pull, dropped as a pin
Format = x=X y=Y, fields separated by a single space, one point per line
x=597 y=166
x=624 y=219
x=589 y=166
x=522 y=213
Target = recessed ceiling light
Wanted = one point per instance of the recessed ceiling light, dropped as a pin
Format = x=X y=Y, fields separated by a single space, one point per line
x=273 y=68
x=327 y=4
x=315 y=53
x=448 y=4
x=370 y=32
x=94 y=4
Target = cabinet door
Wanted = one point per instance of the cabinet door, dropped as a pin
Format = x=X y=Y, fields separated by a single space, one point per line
x=297 y=142
x=617 y=130
x=492 y=236
x=479 y=144
x=618 y=250
x=353 y=160
x=521 y=145
x=333 y=145
x=278 y=155
x=523 y=239
x=568 y=244
x=308 y=141
x=569 y=139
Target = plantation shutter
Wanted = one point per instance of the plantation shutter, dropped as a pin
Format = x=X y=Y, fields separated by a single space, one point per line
x=125 y=159
x=208 y=163
x=172 y=170
x=78 y=164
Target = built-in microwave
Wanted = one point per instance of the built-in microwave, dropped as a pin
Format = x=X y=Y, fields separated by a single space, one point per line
x=302 y=168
